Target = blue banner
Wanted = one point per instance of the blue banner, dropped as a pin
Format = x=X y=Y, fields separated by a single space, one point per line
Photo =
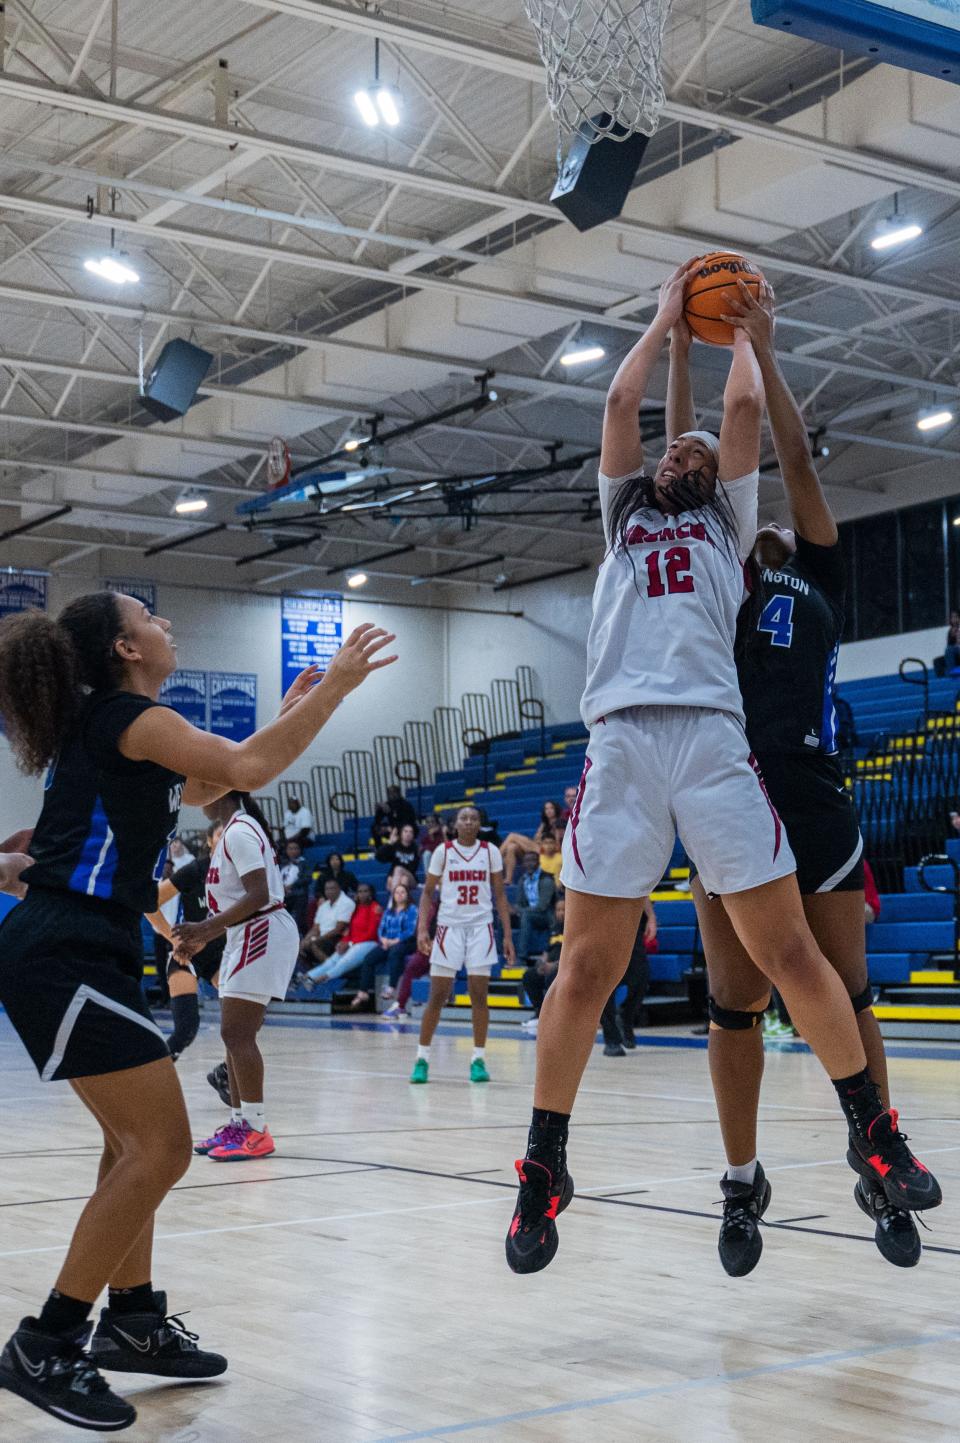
x=145 y=591
x=22 y=590
x=233 y=704
x=311 y=630
x=186 y=693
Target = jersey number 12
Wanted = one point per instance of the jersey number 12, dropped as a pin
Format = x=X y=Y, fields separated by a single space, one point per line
x=777 y=620
x=677 y=566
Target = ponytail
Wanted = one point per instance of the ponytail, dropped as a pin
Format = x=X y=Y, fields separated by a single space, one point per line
x=253 y=810
x=46 y=666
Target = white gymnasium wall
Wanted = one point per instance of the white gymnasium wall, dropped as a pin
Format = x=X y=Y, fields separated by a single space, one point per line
x=882 y=656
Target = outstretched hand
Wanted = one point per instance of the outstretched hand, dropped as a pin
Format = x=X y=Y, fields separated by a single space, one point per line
x=300 y=687
x=354 y=661
x=670 y=307
x=754 y=317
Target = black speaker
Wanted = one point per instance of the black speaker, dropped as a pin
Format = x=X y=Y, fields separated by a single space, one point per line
x=594 y=180
x=172 y=385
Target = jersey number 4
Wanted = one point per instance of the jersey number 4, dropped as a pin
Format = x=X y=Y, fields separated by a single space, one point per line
x=468 y=896
x=676 y=564
x=777 y=620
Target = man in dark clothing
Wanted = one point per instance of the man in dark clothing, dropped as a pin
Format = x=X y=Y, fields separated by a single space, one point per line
x=295 y=873
x=393 y=814
x=536 y=894
x=617 y=1024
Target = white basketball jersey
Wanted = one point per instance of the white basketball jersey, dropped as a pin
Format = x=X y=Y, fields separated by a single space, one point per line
x=243 y=847
x=466 y=895
x=663 y=628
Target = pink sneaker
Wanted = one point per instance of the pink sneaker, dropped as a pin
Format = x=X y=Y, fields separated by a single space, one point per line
x=230 y=1134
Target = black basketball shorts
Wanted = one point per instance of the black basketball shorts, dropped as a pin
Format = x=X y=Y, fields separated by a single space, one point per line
x=70 y=969
x=820 y=820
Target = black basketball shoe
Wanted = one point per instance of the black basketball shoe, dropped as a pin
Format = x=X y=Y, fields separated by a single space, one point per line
x=220 y=1083
x=744 y=1204
x=613 y=1049
x=881 y=1156
x=51 y=1371
x=895 y=1232
x=626 y=1032
x=151 y=1343
x=532 y=1241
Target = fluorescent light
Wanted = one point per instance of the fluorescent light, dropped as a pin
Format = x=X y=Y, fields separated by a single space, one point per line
x=388 y=106
x=190 y=505
x=359 y=578
x=956 y=521
x=934 y=419
x=888 y=238
x=108 y=268
x=352 y=445
x=366 y=107
x=577 y=358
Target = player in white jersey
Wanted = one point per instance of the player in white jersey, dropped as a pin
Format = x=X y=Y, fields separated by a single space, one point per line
x=668 y=752
x=245 y=898
x=469 y=873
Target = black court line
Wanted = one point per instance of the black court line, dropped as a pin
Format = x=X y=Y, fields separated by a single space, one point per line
x=809 y=1218
x=227 y=1182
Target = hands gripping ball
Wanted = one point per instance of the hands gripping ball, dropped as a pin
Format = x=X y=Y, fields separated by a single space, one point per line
x=710 y=289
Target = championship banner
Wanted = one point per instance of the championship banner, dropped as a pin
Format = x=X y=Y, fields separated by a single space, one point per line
x=145 y=591
x=22 y=590
x=233 y=704
x=186 y=693
x=311 y=631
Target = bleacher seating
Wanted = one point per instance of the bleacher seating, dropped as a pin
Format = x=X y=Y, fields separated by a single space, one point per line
x=885 y=704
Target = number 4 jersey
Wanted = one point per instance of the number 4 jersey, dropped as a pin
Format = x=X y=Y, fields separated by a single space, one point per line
x=665 y=609
x=466 y=896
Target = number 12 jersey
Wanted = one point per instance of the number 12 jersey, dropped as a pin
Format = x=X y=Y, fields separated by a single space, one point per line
x=466 y=894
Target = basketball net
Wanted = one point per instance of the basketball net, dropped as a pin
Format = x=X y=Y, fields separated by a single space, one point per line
x=602 y=59
x=278 y=463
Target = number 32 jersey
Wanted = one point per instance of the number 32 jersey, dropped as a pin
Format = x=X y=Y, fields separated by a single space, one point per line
x=665 y=611
x=466 y=895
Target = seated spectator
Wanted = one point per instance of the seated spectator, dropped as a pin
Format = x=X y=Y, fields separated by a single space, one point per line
x=535 y=898
x=618 y=1024
x=295 y=874
x=551 y=858
x=350 y=949
x=951 y=651
x=516 y=844
x=569 y=802
x=871 y=897
x=298 y=822
x=393 y=814
x=400 y=849
x=334 y=869
x=541 y=972
x=432 y=833
x=400 y=876
x=417 y=965
x=329 y=924
x=396 y=939
x=489 y=831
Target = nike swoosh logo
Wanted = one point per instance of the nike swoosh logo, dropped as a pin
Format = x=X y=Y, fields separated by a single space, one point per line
x=34 y=1369
x=134 y=1342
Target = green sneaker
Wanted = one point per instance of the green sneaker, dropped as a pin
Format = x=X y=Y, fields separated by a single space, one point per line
x=478 y=1070
x=420 y=1069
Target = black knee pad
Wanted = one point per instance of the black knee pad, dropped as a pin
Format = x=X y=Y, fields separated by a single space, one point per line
x=863 y=999
x=731 y=1021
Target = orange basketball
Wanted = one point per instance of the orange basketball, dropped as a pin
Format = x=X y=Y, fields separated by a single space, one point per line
x=709 y=291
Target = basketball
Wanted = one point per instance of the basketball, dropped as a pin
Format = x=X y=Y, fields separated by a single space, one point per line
x=709 y=291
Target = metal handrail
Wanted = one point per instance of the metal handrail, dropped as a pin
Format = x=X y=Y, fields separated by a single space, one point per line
x=345 y=804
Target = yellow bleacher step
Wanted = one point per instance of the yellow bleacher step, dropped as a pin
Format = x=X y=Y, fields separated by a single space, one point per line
x=517 y=772
x=678 y=872
x=511 y=974
x=462 y=999
x=670 y=896
x=929 y=979
x=914 y=1012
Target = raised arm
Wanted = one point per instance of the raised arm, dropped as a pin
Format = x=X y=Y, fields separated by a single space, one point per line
x=681 y=410
x=742 y=413
x=160 y=735
x=811 y=515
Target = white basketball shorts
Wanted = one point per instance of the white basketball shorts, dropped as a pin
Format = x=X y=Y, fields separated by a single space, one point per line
x=471 y=947
x=654 y=771
x=259 y=957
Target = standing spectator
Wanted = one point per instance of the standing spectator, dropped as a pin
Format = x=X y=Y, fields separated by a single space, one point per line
x=334 y=870
x=355 y=944
x=295 y=874
x=540 y=974
x=400 y=848
x=329 y=924
x=535 y=898
x=298 y=822
x=516 y=844
x=618 y=1024
x=951 y=652
x=394 y=813
x=396 y=938
x=871 y=897
x=417 y=965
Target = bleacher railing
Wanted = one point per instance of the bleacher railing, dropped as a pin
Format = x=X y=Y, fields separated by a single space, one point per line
x=904 y=789
x=327 y=782
x=270 y=808
x=360 y=777
x=448 y=731
x=919 y=678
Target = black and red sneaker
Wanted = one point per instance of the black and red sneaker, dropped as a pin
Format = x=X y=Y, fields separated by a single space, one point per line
x=883 y=1158
x=532 y=1241
x=894 y=1231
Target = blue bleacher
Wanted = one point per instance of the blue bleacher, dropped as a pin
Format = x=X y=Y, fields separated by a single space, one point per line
x=883 y=704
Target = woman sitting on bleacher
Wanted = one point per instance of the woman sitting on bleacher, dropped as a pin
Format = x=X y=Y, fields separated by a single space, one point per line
x=396 y=939
x=333 y=869
x=358 y=940
x=516 y=844
x=400 y=850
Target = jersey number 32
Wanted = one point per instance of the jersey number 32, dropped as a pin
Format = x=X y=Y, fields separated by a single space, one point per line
x=777 y=620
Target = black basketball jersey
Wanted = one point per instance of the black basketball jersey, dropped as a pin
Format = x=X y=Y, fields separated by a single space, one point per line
x=106 y=820
x=788 y=665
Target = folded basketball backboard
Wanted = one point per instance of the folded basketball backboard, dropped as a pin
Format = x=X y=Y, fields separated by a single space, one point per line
x=916 y=34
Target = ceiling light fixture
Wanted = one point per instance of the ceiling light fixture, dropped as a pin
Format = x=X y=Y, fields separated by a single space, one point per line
x=933 y=420
x=383 y=104
x=895 y=237
x=111 y=268
x=586 y=353
x=359 y=578
x=352 y=445
x=189 y=504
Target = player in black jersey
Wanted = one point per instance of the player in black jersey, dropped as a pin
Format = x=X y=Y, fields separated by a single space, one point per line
x=786 y=661
x=79 y=698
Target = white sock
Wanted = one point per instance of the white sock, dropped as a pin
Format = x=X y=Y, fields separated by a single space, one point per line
x=236 y=1115
x=745 y=1173
x=254 y=1115
x=477 y=1053
x=423 y=1052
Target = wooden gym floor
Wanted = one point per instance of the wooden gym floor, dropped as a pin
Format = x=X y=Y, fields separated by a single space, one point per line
x=356 y=1280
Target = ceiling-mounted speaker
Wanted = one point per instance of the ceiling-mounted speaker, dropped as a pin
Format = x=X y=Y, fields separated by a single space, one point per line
x=171 y=388
x=595 y=180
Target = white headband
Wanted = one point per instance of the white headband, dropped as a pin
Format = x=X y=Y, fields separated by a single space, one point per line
x=707 y=438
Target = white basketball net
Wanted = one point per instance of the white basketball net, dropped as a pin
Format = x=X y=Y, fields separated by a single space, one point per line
x=602 y=59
